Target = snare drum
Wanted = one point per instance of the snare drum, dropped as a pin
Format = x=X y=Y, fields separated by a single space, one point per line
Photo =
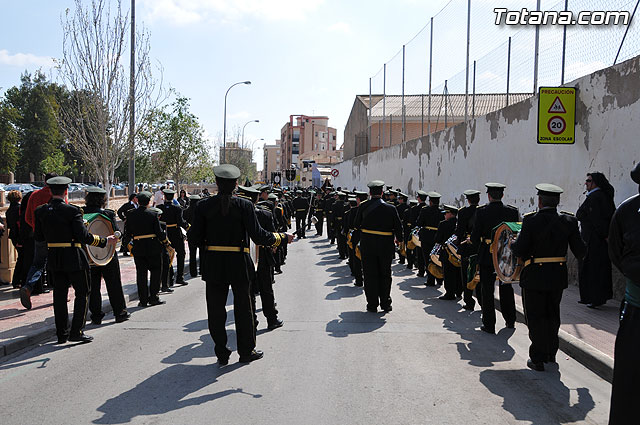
x=451 y=246
x=435 y=255
x=415 y=237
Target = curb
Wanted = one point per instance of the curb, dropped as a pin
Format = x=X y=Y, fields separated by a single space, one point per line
x=45 y=334
x=591 y=358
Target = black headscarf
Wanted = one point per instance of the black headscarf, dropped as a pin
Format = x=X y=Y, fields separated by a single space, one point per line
x=601 y=181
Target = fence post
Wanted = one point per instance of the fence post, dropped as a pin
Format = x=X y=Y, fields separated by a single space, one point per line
x=466 y=85
x=508 y=69
x=535 y=56
x=564 y=45
x=446 y=99
x=403 y=113
x=390 y=129
x=422 y=115
x=430 y=69
x=370 y=106
x=473 y=99
x=384 y=101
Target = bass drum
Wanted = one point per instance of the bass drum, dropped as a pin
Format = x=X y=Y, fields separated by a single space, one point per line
x=507 y=265
x=98 y=224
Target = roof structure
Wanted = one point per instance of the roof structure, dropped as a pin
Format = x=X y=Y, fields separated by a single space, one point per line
x=484 y=104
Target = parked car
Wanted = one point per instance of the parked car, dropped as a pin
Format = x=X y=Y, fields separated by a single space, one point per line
x=22 y=187
x=2 y=186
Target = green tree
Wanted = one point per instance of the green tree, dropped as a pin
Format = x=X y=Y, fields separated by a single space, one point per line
x=9 y=138
x=36 y=102
x=56 y=162
x=175 y=137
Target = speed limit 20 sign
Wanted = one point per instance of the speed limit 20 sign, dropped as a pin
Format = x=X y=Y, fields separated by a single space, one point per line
x=556 y=115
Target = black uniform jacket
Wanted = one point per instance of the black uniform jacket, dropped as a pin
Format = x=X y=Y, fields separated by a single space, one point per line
x=378 y=216
x=141 y=222
x=265 y=218
x=188 y=213
x=122 y=211
x=624 y=239
x=429 y=219
x=546 y=234
x=212 y=229
x=489 y=216
x=464 y=226
x=337 y=214
x=58 y=222
x=319 y=207
x=172 y=215
x=300 y=207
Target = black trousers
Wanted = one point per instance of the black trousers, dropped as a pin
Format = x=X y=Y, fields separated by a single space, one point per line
x=113 y=282
x=148 y=289
x=542 y=312
x=410 y=257
x=452 y=282
x=419 y=260
x=167 y=275
x=61 y=281
x=376 y=268
x=467 y=294
x=507 y=299
x=264 y=281
x=18 y=276
x=301 y=224
x=193 y=259
x=319 y=224
x=217 y=292
x=356 y=265
x=626 y=368
x=342 y=245
x=177 y=243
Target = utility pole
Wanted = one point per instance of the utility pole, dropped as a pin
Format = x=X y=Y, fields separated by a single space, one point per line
x=132 y=103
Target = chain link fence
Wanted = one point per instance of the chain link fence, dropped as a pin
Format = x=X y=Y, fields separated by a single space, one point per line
x=428 y=80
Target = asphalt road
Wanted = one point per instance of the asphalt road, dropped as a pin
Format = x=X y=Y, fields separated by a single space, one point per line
x=331 y=363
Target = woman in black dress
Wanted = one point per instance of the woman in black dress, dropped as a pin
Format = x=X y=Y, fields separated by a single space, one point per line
x=595 y=215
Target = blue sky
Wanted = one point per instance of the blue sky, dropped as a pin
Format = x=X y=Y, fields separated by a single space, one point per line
x=303 y=57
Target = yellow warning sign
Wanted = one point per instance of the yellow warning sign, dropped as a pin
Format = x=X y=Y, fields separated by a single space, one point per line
x=556 y=115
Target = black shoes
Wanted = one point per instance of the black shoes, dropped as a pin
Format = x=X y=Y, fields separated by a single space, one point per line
x=387 y=309
x=25 y=297
x=420 y=274
x=97 y=319
x=275 y=324
x=181 y=283
x=488 y=330
x=141 y=304
x=82 y=338
x=535 y=366
x=168 y=290
x=447 y=297
x=372 y=310
x=358 y=283
x=511 y=325
x=123 y=317
x=156 y=302
x=255 y=355
x=223 y=361
x=469 y=307
x=63 y=339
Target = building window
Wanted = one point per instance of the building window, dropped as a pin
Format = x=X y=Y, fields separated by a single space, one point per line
x=316 y=134
x=334 y=137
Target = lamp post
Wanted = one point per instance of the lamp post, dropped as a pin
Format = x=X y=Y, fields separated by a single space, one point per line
x=247 y=123
x=224 y=130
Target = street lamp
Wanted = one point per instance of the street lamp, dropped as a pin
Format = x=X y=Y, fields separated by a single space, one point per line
x=249 y=122
x=224 y=131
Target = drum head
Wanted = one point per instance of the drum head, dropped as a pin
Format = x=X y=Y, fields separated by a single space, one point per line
x=506 y=264
x=435 y=271
x=415 y=238
x=100 y=256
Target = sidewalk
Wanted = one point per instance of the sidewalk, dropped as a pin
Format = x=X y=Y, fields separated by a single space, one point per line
x=588 y=335
x=20 y=328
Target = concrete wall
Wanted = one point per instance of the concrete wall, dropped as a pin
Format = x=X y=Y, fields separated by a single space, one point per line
x=502 y=147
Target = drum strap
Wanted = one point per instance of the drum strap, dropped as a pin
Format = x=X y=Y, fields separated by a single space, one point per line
x=375 y=232
x=227 y=249
x=135 y=238
x=64 y=245
x=430 y=228
x=546 y=260
x=172 y=225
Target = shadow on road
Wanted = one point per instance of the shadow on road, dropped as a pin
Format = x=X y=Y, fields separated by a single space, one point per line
x=355 y=322
x=479 y=349
x=166 y=391
x=541 y=398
